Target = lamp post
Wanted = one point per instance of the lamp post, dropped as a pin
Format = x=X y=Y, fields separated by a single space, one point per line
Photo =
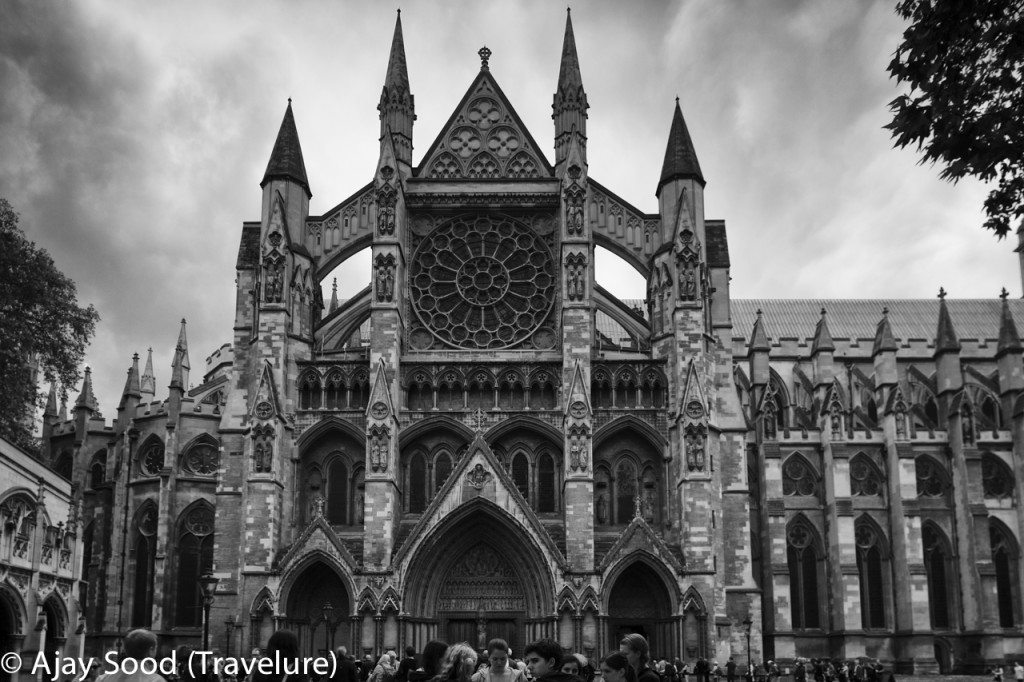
x=208 y=582
x=328 y=610
x=747 y=623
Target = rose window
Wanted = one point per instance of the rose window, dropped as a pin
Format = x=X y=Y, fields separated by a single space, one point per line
x=484 y=282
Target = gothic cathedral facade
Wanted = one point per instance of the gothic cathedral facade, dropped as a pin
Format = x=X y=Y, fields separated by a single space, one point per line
x=485 y=442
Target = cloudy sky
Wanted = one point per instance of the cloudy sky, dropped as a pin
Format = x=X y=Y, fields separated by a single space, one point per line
x=133 y=137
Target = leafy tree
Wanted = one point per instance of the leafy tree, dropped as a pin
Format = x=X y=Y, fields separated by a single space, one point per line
x=41 y=324
x=964 y=63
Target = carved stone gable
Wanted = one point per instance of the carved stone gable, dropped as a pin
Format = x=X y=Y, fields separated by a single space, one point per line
x=484 y=140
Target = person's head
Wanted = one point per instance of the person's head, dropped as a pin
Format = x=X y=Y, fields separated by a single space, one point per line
x=570 y=666
x=139 y=644
x=636 y=649
x=497 y=655
x=284 y=642
x=616 y=668
x=543 y=657
x=384 y=660
x=341 y=652
x=410 y=652
x=433 y=655
x=459 y=662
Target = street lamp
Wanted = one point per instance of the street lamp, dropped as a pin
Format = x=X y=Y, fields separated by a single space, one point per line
x=208 y=582
x=328 y=610
x=747 y=623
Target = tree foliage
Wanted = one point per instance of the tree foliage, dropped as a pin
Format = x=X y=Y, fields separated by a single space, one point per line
x=41 y=325
x=964 y=63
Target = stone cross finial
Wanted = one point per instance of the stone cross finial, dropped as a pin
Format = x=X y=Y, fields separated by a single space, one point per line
x=942 y=293
x=637 y=511
x=485 y=54
x=1004 y=294
x=479 y=420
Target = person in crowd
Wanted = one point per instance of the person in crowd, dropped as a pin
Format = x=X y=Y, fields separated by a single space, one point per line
x=771 y=671
x=997 y=673
x=586 y=668
x=544 y=661
x=730 y=670
x=570 y=666
x=385 y=669
x=139 y=645
x=345 y=669
x=458 y=665
x=431 y=661
x=407 y=665
x=716 y=671
x=616 y=668
x=283 y=645
x=498 y=668
x=634 y=647
x=365 y=668
x=843 y=672
x=799 y=671
x=1018 y=671
x=669 y=672
x=703 y=670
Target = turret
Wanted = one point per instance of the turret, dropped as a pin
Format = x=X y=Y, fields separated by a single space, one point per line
x=883 y=353
x=132 y=393
x=334 y=296
x=822 y=350
x=50 y=416
x=86 y=406
x=1008 y=355
x=758 y=353
x=947 y=351
x=569 y=108
x=180 y=365
x=147 y=384
x=397 y=106
x=680 y=174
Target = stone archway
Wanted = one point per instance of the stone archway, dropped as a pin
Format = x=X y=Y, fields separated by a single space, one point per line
x=318 y=610
x=11 y=634
x=479 y=577
x=640 y=602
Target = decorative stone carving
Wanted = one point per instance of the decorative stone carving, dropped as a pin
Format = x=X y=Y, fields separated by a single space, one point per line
x=263 y=449
x=379 y=410
x=264 y=410
x=482 y=282
x=273 y=277
x=602 y=508
x=478 y=477
x=384 y=277
x=576 y=277
x=575 y=198
x=387 y=199
x=578 y=448
x=202 y=459
x=578 y=409
x=380 y=445
x=967 y=424
x=695 y=444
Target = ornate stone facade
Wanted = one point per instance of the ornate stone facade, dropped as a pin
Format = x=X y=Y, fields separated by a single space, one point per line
x=485 y=442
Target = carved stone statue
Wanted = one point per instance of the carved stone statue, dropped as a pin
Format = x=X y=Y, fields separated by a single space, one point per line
x=837 y=425
x=901 y=425
x=688 y=282
x=261 y=455
x=648 y=506
x=602 y=508
x=695 y=451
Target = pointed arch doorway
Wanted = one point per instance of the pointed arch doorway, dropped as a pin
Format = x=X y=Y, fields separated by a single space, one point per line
x=640 y=603
x=476 y=577
x=318 y=610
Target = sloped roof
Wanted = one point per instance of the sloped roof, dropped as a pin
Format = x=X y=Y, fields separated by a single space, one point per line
x=973 y=318
x=680 y=156
x=286 y=159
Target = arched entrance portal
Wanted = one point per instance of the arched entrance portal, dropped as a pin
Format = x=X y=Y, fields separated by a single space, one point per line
x=639 y=602
x=481 y=598
x=10 y=635
x=318 y=610
x=476 y=577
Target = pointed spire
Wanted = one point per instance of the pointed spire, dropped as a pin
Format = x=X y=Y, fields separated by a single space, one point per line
x=86 y=398
x=397 y=76
x=569 y=78
x=822 y=337
x=334 y=295
x=148 y=383
x=396 y=108
x=758 y=337
x=945 y=338
x=132 y=384
x=1009 y=339
x=51 y=401
x=884 y=339
x=180 y=365
x=680 y=157
x=286 y=160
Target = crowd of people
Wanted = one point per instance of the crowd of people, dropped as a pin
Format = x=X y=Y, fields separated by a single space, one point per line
x=541 y=661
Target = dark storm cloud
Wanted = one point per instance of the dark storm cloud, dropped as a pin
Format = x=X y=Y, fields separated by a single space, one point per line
x=133 y=137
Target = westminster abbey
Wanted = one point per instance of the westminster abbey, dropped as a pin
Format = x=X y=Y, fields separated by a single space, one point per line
x=485 y=442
